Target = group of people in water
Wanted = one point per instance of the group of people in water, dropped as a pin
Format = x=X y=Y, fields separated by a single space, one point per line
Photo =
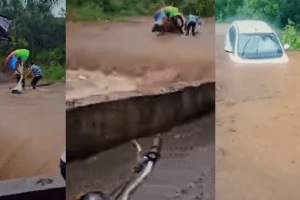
x=171 y=14
x=31 y=68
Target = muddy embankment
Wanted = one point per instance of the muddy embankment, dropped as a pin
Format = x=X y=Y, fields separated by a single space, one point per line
x=94 y=128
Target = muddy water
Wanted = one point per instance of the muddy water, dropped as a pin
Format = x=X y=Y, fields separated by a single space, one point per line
x=257 y=127
x=32 y=131
x=126 y=57
x=185 y=171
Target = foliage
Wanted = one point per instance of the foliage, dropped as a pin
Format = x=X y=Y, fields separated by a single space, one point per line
x=279 y=13
x=54 y=72
x=35 y=28
x=91 y=10
x=274 y=11
x=291 y=36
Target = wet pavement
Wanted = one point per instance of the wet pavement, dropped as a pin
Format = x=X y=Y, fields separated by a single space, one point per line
x=184 y=172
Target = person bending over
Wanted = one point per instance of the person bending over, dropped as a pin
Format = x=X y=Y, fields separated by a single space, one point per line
x=191 y=24
x=37 y=72
x=174 y=15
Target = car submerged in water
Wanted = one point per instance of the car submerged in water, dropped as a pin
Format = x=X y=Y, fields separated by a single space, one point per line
x=254 y=42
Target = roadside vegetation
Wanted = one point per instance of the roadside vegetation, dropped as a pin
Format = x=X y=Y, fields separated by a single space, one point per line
x=97 y=10
x=283 y=15
x=35 y=28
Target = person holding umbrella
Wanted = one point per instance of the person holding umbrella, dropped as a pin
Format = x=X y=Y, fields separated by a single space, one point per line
x=173 y=15
x=15 y=61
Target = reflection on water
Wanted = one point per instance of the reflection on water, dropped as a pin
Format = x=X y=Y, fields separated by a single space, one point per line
x=258 y=114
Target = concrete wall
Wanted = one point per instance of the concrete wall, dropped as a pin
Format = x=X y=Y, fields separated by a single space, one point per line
x=97 y=127
x=33 y=188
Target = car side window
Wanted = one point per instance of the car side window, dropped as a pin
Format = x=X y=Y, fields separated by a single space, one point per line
x=232 y=36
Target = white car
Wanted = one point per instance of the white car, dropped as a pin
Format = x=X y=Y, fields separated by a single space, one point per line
x=254 y=42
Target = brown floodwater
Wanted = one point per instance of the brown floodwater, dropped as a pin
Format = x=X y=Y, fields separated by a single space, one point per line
x=106 y=58
x=257 y=128
x=32 y=131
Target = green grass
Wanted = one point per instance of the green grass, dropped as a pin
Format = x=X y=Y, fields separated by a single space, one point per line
x=54 y=73
x=91 y=14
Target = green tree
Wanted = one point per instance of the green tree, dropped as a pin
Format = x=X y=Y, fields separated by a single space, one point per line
x=35 y=28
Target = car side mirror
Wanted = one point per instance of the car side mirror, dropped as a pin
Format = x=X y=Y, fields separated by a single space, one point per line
x=228 y=49
x=286 y=46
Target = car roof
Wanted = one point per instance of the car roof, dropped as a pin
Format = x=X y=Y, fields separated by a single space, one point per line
x=252 y=26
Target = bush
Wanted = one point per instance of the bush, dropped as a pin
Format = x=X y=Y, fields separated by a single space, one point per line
x=54 y=72
x=92 y=10
x=291 y=35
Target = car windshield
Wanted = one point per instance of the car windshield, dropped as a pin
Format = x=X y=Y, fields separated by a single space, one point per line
x=259 y=46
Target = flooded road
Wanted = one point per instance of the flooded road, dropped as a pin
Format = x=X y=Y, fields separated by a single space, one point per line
x=257 y=128
x=32 y=131
x=106 y=58
x=185 y=170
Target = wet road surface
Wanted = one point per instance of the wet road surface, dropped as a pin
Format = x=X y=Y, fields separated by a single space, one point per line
x=184 y=172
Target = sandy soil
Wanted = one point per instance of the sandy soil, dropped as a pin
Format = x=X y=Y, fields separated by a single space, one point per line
x=32 y=128
x=107 y=58
x=186 y=170
x=257 y=127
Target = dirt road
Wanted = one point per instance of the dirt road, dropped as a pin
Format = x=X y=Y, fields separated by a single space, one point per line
x=106 y=58
x=32 y=131
x=257 y=132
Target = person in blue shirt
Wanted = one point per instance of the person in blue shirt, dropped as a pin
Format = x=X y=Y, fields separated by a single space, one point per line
x=191 y=24
x=37 y=72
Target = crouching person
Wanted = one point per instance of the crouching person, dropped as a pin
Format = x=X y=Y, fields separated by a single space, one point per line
x=192 y=24
x=37 y=72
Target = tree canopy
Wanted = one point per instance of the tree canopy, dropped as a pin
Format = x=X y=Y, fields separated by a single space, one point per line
x=277 y=12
